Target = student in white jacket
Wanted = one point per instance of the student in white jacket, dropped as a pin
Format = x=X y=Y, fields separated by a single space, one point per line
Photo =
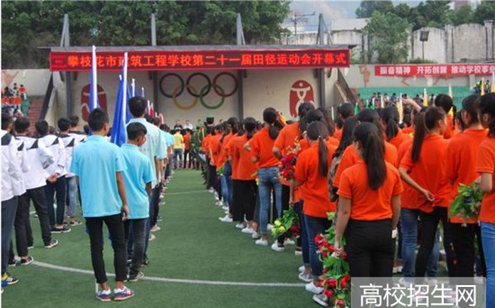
x=56 y=182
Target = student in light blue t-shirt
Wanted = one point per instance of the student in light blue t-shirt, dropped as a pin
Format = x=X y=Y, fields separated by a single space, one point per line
x=98 y=165
x=138 y=177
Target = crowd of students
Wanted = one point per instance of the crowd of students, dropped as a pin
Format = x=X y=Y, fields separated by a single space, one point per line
x=387 y=179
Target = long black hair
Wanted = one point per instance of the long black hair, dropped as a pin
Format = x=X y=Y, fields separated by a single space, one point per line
x=270 y=117
x=317 y=131
x=327 y=114
x=487 y=106
x=347 y=135
x=445 y=102
x=471 y=105
x=371 y=116
x=390 y=116
x=302 y=112
x=373 y=153
x=424 y=122
x=250 y=125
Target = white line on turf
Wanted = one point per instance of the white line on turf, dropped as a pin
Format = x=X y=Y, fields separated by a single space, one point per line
x=186 y=281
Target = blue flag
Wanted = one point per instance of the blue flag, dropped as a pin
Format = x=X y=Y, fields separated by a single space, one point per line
x=120 y=117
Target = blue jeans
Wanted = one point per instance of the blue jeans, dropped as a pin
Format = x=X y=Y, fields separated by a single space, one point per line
x=9 y=207
x=268 y=178
x=135 y=233
x=177 y=158
x=298 y=208
x=226 y=182
x=409 y=223
x=488 y=239
x=314 y=226
x=71 y=195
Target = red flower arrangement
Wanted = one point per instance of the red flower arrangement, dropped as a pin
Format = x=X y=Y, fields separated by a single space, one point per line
x=337 y=281
x=287 y=168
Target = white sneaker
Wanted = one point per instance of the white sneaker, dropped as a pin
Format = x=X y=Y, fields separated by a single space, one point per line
x=225 y=219
x=225 y=208
x=247 y=230
x=155 y=228
x=277 y=248
x=310 y=287
x=152 y=237
x=432 y=281
x=288 y=241
x=219 y=203
x=301 y=268
x=255 y=235
x=479 y=279
x=298 y=252
x=321 y=299
x=306 y=277
x=240 y=226
x=211 y=190
x=261 y=242
x=404 y=282
x=269 y=227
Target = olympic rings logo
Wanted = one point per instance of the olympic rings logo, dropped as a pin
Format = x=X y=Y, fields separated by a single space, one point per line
x=204 y=91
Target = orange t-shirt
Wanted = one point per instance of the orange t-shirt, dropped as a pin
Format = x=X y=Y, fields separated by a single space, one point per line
x=215 y=147
x=350 y=157
x=399 y=139
x=22 y=90
x=314 y=188
x=222 y=152
x=486 y=164
x=261 y=147
x=5 y=100
x=408 y=198
x=462 y=153
x=338 y=134
x=243 y=167
x=187 y=141
x=287 y=138
x=368 y=204
x=408 y=130
x=429 y=171
x=449 y=133
x=205 y=145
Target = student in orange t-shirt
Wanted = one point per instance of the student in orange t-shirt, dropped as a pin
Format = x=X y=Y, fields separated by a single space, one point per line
x=312 y=177
x=369 y=207
x=423 y=168
x=344 y=111
x=485 y=166
x=350 y=156
x=286 y=140
x=231 y=129
x=261 y=151
x=445 y=102
x=393 y=133
x=461 y=165
x=187 y=150
x=245 y=190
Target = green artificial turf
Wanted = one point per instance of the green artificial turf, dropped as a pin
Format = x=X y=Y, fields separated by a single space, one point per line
x=191 y=245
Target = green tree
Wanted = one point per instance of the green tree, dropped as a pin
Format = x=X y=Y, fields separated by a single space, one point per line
x=367 y=8
x=388 y=34
x=26 y=26
x=484 y=11
x=463 y=15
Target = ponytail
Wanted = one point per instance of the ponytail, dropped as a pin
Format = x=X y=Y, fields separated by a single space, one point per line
x=250 y=126
x=373 y=153
x=318 y=131
x=390 y=116
x=424 y=122
x=270 y=116
x=487 y=106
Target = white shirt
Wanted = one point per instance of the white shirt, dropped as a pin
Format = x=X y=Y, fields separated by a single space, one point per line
x=12 y=182
x=56 y=146
x=40 y=158
x=70 y=144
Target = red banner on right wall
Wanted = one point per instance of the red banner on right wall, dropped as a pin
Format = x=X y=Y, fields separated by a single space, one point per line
x=434 y=69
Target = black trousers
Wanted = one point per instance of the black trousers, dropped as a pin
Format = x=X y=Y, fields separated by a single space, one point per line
x=59 y=187
x=155 y=203
x=429 y=225
x=245 y=194
x=37 y=196
x=464 y=239
x=187 y=159
x=116 y=228
x=370 y=248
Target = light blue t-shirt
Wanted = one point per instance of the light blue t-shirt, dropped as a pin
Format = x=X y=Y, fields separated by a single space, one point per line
x=96 y=162
x=137 y=174
x=170 y=139
x=153 y=147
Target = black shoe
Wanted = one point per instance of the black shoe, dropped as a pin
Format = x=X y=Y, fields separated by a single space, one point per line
x=61 y=230
x=27 y=261
x=145 y=263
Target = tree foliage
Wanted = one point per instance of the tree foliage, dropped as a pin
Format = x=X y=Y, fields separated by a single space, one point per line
x=26 y=26
x=432 y=13
x=388 y=34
